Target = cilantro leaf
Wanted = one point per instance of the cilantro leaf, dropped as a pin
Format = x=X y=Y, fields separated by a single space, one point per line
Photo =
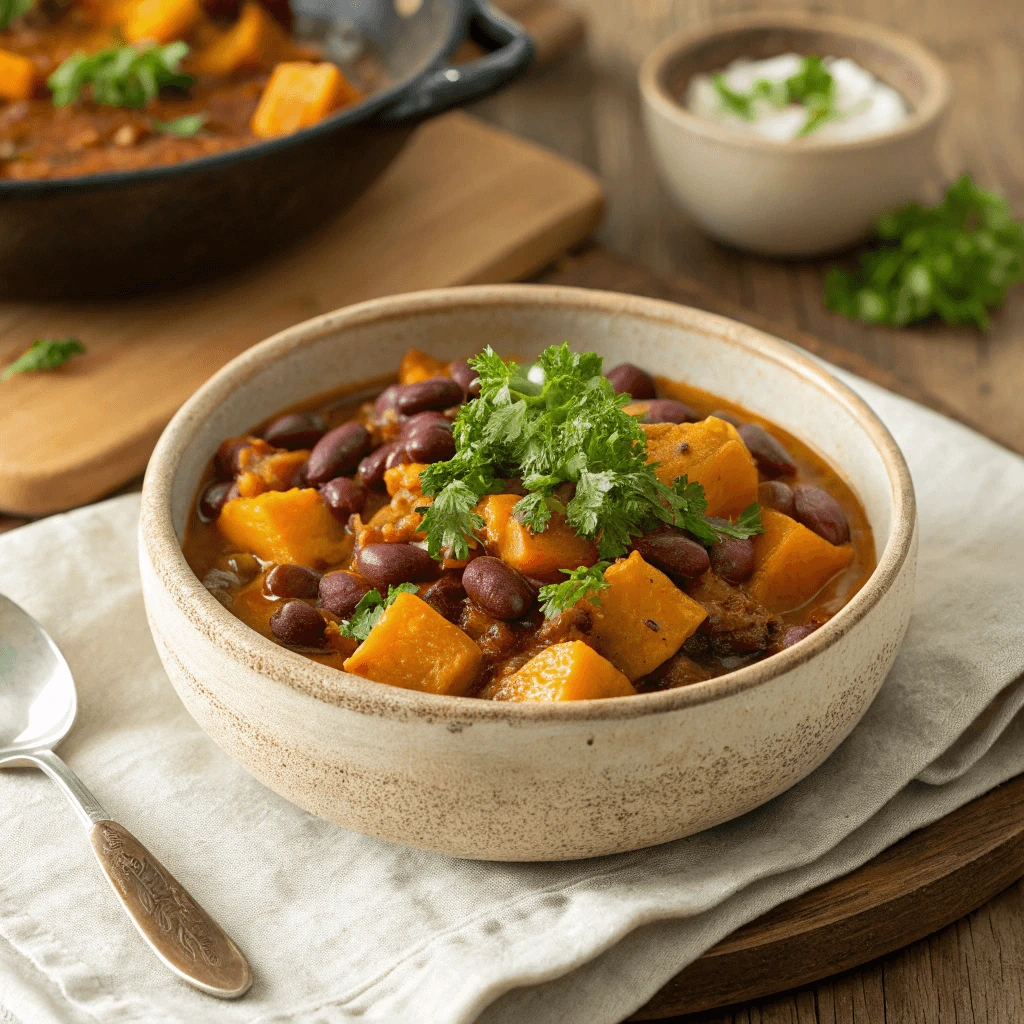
x=583 y=582
x=747 y=524
x=45 y=354
x=739 y=103
x=120 y=76
x=450 y=520
x=369 y=610
x=955 y=260
x=11 y=9
x=184 y=127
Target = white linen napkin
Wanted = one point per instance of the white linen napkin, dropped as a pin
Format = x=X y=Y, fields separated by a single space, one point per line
x=339 y=927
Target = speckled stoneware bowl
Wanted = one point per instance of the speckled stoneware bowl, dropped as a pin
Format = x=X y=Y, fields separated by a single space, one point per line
x=503 y=781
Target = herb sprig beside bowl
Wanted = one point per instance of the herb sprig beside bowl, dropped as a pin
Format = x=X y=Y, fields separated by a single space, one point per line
x=44 y=354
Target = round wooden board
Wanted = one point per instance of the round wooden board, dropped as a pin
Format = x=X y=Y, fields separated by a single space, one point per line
x=924 y=882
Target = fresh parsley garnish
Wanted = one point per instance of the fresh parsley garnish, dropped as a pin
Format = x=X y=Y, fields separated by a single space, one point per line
x=121 y=76
x=582 y=582
x=955 y=260
x=370 y=608
x=45 y=354
x=185 y=126
x=11 y=9
x=558 y=423
x=812 y=86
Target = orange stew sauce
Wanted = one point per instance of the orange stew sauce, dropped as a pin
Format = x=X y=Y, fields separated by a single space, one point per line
x=736 y=631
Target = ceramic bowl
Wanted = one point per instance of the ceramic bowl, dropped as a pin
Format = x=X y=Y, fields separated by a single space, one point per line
x=503 y=781
x=799 y=198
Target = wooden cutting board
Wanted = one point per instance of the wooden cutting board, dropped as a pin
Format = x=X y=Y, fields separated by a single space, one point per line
x=464 y=203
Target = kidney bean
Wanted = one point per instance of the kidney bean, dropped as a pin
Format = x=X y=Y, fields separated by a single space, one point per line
x=298 y=624
x=337 y=453
x=777 y=495
x=435 y=393
x=729 y=417
x=668 y=410
x=820 y=512
x=794 y=635
x=631 y=380
x=343 y=496
x=396 y=457
x=466 y=377
x=341 y=591
x=387 y=565
x=771 y=458
x=214 y=497
x=387 y=401
x=371 y=469
x=227 y=456
x=497 y=588
x=432 y=443
x=732 y=559
x=447 y=595
x=296 y=430
x=291 y=581
x=423 y=420
x=673 y=552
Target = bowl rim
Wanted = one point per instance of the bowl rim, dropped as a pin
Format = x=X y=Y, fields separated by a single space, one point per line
x=159 y=544
x=937 y=96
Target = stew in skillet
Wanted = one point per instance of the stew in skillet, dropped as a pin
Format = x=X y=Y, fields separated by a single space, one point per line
x=542 y=533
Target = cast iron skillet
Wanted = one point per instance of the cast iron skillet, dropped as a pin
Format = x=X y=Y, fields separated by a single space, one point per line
x=129 y=232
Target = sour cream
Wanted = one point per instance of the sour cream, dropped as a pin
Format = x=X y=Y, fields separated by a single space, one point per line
x=865 y=105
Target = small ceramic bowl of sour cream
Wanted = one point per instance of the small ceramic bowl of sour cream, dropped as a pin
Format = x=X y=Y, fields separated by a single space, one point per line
x=791 y=134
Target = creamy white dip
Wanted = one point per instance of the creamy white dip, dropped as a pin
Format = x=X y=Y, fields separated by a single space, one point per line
x=865 y=106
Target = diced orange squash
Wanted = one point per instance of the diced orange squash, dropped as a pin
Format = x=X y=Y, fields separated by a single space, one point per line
x=163 y=21
x=286 y=526
x=417 y=366
x=569 y=671
x=17 y=76
x=540 y=555
x=792 y=563
x=643 y=617
x=710 y=452
x=255 y=42
x=417 y=648
x=298 y=95
x=404 y=478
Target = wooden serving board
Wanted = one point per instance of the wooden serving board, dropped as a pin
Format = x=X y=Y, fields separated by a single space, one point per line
x=463 y=203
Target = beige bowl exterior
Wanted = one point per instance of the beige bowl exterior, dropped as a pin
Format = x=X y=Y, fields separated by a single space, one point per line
x=501 y=781
x=800 y=198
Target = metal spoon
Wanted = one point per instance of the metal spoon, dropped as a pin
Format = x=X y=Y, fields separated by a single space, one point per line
x=37 y=709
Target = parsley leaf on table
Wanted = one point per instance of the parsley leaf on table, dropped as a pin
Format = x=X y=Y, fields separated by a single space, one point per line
x=955 y=260
x=120 y=76
x=369 y=610
x=11 y=9
x=582 y=582
x=45 y=354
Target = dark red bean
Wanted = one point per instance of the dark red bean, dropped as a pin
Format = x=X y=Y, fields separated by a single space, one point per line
x=497 y=588
x=447 y=596
x=794 y=635
x=732 y=559
x=386 y=401
x=396 y=457
x=777 y=495
x=631 y=380
x=292 y=581
x=371 y=469
x=671 y=551
x=341 y=591
x=430 y=444
x=436 y=393
x=820 y=512
x=466 y=377
x=771 y=457
x=668 y=410
x=387 y=565
x=422 y=420
x=227 y=456
x=337 y=453
x=729 y=417
x=214 y=497
x=343 y=497
x=296 y=430
x=298 y=625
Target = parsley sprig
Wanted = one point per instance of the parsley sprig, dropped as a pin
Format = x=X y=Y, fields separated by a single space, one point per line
x=583 y=582
x=120 y=76
x=45 y=354
x=184 y=127
x=11 y=9
x=559 y=423
x=369 y=610
x=955 y=260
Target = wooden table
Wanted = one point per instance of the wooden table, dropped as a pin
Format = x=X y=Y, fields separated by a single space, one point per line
x=587 y=107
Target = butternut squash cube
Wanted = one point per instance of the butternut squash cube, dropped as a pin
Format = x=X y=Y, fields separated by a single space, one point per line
x=17 y=76
x=286 y=526
x=569 y=671
x=643 y=617
x=255 y=42
x=417 y=366
x=540 y=555
x=405 y=477
x=710 y=453
x=792 y=563
x=163 y=21
x=417 y=648
x=300 y=94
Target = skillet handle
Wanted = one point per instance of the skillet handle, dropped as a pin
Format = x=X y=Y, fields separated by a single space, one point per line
x=449 y=86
